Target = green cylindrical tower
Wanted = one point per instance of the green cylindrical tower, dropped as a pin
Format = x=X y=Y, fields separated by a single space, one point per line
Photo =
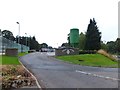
x=74 y=37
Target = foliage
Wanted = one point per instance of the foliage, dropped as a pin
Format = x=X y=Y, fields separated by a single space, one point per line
x=8 y=35
x=68 y=38
x=65 y=45
x=44 y=45
x=82 y=41
x=33 y=43
x=93 y=36
x=117 y=45
x=28 y=41
x=0 y=32
x=87 y=52
x=104 y=46
x=111 y=47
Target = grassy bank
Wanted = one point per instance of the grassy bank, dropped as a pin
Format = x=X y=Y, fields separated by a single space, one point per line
x=89 y=60
x=10 y=60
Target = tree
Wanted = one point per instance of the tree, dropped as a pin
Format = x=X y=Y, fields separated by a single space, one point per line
x=111 y=47
x=22 y=40
x=29 y=41
x=65 y=45
x=33 y=43
x=82 y=41
x=117 y=45
x=93 y=36
x=0 y=32
x=104 y=46
x=68 y=38
x=34 y=38
x=44 y=45
x=8 y=35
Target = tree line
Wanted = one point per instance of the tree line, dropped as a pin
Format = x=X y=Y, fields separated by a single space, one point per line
x=91 y=40
x=30 y=41
x=110 y=46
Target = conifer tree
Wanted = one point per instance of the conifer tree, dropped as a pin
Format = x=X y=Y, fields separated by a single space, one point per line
x=93 y=36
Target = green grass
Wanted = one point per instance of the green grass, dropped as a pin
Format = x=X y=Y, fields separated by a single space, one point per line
x=89 y=60
x=23 y=53
x=10 y=60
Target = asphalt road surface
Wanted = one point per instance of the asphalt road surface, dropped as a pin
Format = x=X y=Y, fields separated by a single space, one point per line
x=53 y=73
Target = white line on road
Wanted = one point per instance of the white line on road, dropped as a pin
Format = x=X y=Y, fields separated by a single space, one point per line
x=100 y=76
x=31 y=75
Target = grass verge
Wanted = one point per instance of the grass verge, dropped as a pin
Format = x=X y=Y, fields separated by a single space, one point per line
x=22 y=54
x=10 y=60
x=13 y=74
x=96 y=60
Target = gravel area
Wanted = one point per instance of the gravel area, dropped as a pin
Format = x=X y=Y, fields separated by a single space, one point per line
x=15 y=76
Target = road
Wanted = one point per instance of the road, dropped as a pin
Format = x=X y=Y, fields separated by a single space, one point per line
x=53 y=73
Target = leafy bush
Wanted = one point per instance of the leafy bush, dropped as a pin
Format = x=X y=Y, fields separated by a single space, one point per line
x=30 y=51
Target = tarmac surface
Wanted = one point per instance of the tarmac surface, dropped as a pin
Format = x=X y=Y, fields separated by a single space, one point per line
x=54 y=73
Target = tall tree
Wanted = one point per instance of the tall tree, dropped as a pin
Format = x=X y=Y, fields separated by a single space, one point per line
x=44 y=45
x=68 y=38
x=93 y=36
x=82 y=41
x=29 y=41
x=33 y=43
x=8 y=35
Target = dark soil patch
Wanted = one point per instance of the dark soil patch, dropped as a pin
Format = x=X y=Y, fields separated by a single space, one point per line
x=81 y=60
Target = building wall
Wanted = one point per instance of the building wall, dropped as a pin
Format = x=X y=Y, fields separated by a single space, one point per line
x=66 y=51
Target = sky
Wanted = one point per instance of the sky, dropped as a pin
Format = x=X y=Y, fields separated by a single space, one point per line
x=50 y=21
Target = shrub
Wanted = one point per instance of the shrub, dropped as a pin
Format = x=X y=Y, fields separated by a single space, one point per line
x=87 y=52
x=30 y=51
x=37 y=50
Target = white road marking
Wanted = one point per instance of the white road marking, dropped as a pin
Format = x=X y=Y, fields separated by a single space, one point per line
x=100 y=76
x=31 y=75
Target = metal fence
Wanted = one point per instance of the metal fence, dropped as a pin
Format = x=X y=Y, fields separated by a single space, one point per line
x=6 y=43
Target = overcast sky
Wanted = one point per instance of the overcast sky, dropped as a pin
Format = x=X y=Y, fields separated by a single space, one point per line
x=51 y=20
